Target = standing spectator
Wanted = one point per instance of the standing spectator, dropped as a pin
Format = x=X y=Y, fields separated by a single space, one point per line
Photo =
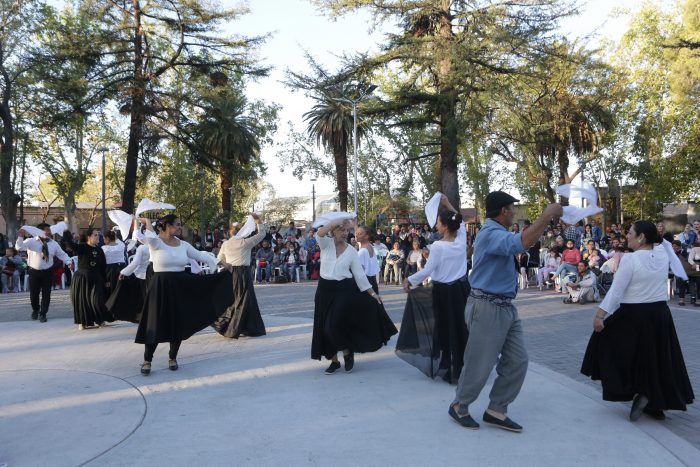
x=696 y=228
x=515 y=228
x=309 y=240
x=661 y=230
x=11 y=265
x=290 y=260
x=687 y=238
x=394 y=260
x=196 y=239
x=315 y=263
x=570 y=233
x=4 y=244
x=587 y=235
x=569 y=261
x=208 y=240
x=272 y=236
x=290 y=233
x=692 y=285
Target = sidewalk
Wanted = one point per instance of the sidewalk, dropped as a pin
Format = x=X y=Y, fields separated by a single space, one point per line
x=77 y=398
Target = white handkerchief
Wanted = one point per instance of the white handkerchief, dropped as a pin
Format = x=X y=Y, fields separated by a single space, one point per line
x=33 y=231
x=431 y=209
x=675 y=263
x=585 y=190
x=59 y=228
x=329 y=217
x=123 y=221
x=247 y=229
x=195 y=268
x=148 y=205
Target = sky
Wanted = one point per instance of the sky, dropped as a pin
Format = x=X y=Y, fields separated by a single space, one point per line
x=296 y=26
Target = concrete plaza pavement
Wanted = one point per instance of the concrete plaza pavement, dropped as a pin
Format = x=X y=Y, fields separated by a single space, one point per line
x=70 y=397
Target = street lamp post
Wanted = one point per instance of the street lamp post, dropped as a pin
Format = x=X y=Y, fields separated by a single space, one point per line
x=313 y=200
x=354 y=103
x=104 y=207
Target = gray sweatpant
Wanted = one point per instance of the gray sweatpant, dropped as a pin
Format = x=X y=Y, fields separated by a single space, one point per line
x=493 y=330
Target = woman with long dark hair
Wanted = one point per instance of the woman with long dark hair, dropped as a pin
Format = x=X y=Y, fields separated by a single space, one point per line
x=115 y=256
x=442 y=353
x=178 y=304
x=87 y=291
x=366 y=255
x=348 y=313
x=634 y=350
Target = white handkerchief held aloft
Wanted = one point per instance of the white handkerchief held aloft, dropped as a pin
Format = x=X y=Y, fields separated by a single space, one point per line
x=431 y=209
x=674 y=262
x=123 y=221
x=573 y=214
x=329 y=217
x=247 y=229
x=33 y=231
x=148 y=205
x=59 y=228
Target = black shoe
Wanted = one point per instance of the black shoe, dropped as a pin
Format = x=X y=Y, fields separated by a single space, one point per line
x=146 y=368
x=656 y=414
x=465 y=420
x=334 y=366
x=42 y=318
x=638 y=405
x=506 y=424
x=349 y=361
x=35 y=315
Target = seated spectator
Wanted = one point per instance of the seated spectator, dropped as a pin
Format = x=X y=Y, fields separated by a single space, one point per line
x=413 y=259
x=291 y=261
x=291 y=233
x=309 y=240
x=569 y=259
x=694 y=254
x=264 y=257
x=583 y=289
x=277 y=258
x=11 y=265
x=590 y=246
x=217 y=248
x=692 y=285
x=550 y=266
x=595 y=261
x=394 y=261
x=687 y=238
x=315 y=263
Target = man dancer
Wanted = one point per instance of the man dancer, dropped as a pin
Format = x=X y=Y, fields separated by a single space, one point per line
x=492 y=320
x=41 y=252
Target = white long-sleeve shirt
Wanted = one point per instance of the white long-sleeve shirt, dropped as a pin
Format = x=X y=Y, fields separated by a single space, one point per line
x=114 y=254
x=236 y=251
x=345 y=266
x=369 y=263
x=139 y=265
x=168 y=258
x=642 y=277
x=447 y=261
x=33 y=248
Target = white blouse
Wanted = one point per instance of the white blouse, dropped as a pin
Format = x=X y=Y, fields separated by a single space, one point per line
x=345 y=266
x=139 y=265
x=114 y=254
x=168 y=258
x=447 y=261
x=236 y=251
x=369 y=263
x=642 y=277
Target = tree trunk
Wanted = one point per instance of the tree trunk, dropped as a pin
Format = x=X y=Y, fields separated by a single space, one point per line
x=138 y=92
x=69 y=207
x=8 y=198
x=563 y=163
x=341 y=176
x=226 y=183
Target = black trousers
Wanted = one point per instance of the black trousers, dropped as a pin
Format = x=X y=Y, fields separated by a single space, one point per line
x=687 y=286
x=40 y=281
x=151 y=349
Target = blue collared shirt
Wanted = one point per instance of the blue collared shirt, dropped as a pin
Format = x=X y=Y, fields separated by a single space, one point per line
x=494 y=266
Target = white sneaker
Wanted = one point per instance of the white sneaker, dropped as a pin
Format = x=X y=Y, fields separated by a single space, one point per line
x=81 y=327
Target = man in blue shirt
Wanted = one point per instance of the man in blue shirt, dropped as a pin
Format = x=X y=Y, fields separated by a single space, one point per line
x=495 y=331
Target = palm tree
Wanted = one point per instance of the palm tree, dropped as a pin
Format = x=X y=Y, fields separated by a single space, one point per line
x=228 y=140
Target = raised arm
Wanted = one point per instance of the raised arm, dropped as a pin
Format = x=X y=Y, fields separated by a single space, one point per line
x=534 y=232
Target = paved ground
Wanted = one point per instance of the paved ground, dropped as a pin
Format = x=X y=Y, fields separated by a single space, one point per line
x=263 y=402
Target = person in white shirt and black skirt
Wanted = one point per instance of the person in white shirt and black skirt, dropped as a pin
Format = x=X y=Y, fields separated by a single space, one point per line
x=115 y=256
x=447 y=267
x=634 y=350
x=178 y=304
x=367 y=255
x=348 y=313
x=41 y=251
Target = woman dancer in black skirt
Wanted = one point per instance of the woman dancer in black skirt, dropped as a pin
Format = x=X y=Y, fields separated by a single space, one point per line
x=243 y=316
x=348 y=313
x=442 y=352
x=366 y=254
x=115 y=256
x=634 y=348
x=178 y=304
x=87 y=290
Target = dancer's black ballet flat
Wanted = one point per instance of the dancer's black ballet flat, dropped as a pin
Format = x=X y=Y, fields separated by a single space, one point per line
x=42 y=317
x=146 y=368
x=638 y=405
x=349 y=361
x=506 y=424
x=172 y=364
x=332 y=368
x=465 y=420
x=656 y=414
x=35 y=315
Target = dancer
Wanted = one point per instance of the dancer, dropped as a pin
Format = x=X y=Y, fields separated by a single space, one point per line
x=177 y=304
x=366 y=255
x=496 y=336
x=447 y=267
x=243 y=316
x=115 y=256
x=41 y=251
x=634 y=349
x=345 y=317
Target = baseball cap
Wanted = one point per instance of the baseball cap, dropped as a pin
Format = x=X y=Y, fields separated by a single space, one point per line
x=498 y=199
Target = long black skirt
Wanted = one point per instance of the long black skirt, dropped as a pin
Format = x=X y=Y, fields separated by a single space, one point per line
x=243 y=316
x=345 y=318
x=433 y=330
x=113 y=271
x=180 y=304
x=638 y=353
x=88 y=297
x=126 y=302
